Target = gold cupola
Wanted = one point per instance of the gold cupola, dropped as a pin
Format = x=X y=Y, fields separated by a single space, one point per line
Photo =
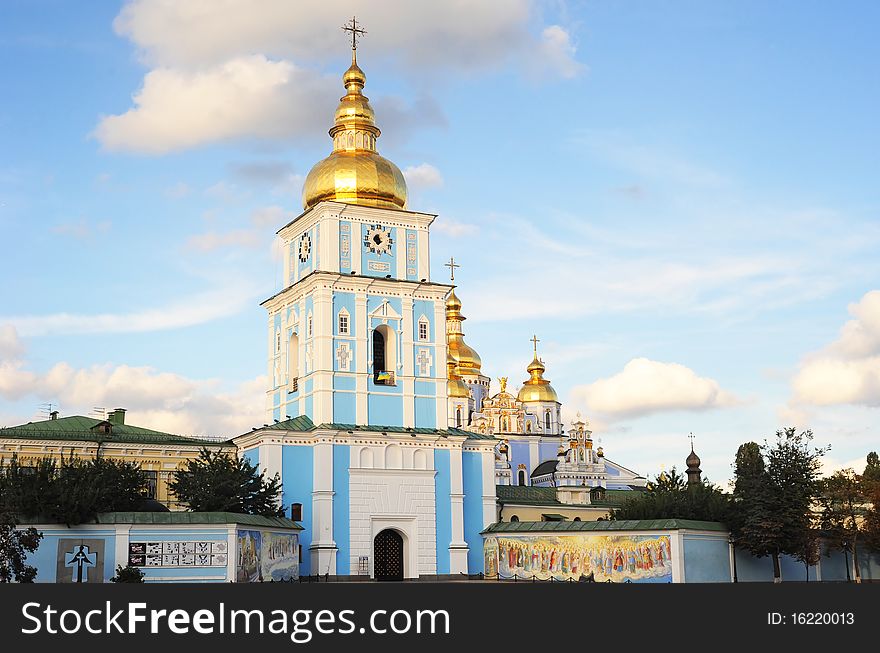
x=354 y=172
x=536 y=387
x=467 y=360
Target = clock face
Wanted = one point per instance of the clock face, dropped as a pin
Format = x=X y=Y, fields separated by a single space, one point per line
x=305 y=247
x=378 y=240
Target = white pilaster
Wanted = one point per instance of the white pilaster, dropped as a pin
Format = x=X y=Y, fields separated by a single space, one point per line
x=362 y=338
x=323 y=547
x=458 y=548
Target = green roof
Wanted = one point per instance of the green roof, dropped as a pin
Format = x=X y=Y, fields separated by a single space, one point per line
x=180 y=518
x=531 y=495
x=84 y=429
x=304 y=424
x=605 y=525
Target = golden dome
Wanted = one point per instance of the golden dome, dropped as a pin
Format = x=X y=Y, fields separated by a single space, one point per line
x=354 y=172
x=465 y=357
x=536 y=387
x=455 y=387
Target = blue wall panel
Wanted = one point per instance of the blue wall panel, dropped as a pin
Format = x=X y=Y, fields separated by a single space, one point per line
x=472 y=482
x=706 y=559
x=443 y=513
x=384 y=410
x=344 y=408
x=297 y=473
x=341 y=509
x=426 y=412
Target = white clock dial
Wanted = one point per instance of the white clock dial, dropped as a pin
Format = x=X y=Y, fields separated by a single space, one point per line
x=305 y=247
x=378 y=240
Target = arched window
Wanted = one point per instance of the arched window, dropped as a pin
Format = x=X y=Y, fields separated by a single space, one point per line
x=343 y=326
x=505 y=425
x=514 y=518
x=458 y=417
x=576 y=519
x=393 y=457
x=383 y=355
x=366 y=458
x=293 y=363
x=521 y=476
x=547 y=421
x=296 y=511
x=420 y=459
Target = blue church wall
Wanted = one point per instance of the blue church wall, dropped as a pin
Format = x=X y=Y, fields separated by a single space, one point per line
x=252 y=456
x=375 y=301
x=309 y=407
x=352 y=348
x=519 y=454
x=794 y=570
x=547 y=450
x=344 y=408
x=345 y=247
x=425 y=388
x=750 y=569
x=297 y=473
x=384 y=410
x=45 y=558
x=344 y=381
x=443 y=512
x=341 y=508
x=834 y=565
x=423 y=307
x=412 y=255
x=344 y=300
x=378 y=265
x=706 y=558
x=308 y=385
x=426 y=412
x=305 y=267
x=472 y=484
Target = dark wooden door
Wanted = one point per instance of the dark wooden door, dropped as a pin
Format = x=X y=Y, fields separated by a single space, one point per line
x=388 y=556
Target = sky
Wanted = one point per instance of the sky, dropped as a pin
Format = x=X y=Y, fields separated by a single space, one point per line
x=679 y=198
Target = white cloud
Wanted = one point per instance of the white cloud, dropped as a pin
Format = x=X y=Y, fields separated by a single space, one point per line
x=556 y=54
x=213 y=240
x=230 y=72
x=645 y=386
x=848 y=370
x=159 y=400
x=423 y=175
x=11 y=346
x=197 y=309
x=454 y=228
x=249 y=96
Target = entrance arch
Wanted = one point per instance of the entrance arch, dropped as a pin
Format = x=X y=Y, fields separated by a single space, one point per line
x=388 y=555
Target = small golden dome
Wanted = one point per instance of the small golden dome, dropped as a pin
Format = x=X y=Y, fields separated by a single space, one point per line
x=455 y=387
x=354 y=172
x=467 y=359
x=536 y=387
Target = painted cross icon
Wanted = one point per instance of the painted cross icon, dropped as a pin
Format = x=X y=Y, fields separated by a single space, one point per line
x=424 y=360
x=80 y=561
x=343 y=355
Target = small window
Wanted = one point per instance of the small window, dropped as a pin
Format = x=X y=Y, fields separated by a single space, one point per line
x=521 y=476
x=309 y=328
x=458 y=417
x=152 y=478
x=343 y=324
x=277 y=341
x=423 y=329
x=296 y=511
x=514 y=518
x=576 y=519
x=547 y=420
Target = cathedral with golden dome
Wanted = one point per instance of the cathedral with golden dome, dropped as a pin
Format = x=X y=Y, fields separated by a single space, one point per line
x=381 y=423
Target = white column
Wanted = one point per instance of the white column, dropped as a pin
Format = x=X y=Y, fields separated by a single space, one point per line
x=676 y=539
x=424 y=254
x=458 y=548
x=534 y=458
x=270 y=459
x=487 y=460
x=400 y=240
x=440 y=362
x=409 y=415
x=323 y=547
x=322 y=341
x=362 y=332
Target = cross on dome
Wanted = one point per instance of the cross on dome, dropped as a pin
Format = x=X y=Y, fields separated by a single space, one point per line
x=355 y=29
x=451 y=265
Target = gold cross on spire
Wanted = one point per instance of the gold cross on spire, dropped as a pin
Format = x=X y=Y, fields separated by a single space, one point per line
x=356 y=31
x=452 y=265
x=691 y=438
x=535 y=342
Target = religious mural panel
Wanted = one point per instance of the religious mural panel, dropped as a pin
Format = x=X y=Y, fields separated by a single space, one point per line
x=618 y=558
x=80 y=560
x=280 y=556
x=249 y=555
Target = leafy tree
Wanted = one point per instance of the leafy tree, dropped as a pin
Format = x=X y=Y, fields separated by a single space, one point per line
x=669 y=497
x=15 y=544
x=216 y=481
x=842 y=509
x=128 y=574
x=872 y=469
x=751 y=499
x=72 y=492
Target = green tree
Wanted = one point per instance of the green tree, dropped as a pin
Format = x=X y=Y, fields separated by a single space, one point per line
x=128 y=574
x=843 y=501
x=872 y=469
x=668 y=496
x=751 y=499
x=218 y=482
x=72 y=492
x=15 y=544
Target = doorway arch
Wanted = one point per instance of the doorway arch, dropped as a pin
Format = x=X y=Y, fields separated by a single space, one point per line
x=388 y=555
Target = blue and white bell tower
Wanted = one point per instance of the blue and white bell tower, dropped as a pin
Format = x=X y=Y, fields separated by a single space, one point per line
x=359 y=424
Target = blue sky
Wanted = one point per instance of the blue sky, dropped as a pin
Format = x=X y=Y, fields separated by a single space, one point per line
x=680 y=199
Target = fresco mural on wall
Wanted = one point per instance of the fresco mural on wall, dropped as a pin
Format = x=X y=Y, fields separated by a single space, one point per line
x=619 y=558
x=279 y=556
x=249 y=548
